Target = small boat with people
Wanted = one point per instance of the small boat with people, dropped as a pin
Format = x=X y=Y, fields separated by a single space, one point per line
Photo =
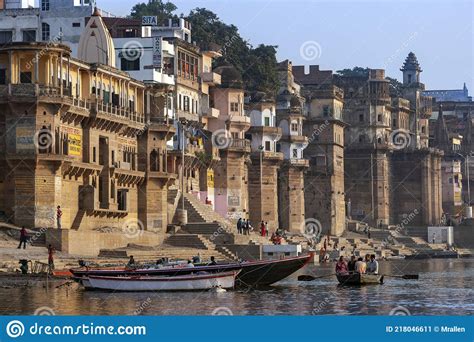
x=359 y=279
x=358 y=272
x=190 y=282
x=252 y=273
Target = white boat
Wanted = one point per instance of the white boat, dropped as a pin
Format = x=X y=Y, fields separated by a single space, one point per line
x=192 y=282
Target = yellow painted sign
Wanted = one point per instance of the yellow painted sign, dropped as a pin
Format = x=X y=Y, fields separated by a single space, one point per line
x=210 y=178
x=75 y=145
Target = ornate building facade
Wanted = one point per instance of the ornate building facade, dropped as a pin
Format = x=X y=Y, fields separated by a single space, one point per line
x=291 y=185
x=324 y=181
x=266 y=161
x=81 y=135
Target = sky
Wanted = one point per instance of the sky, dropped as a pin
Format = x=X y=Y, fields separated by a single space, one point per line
x=342 y=34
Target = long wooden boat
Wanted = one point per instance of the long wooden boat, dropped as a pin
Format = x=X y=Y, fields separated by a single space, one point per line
x=191 y=282
x=359 y=279
x=252 y=273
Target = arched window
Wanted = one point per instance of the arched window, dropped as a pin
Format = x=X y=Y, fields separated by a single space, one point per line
x=154 y=161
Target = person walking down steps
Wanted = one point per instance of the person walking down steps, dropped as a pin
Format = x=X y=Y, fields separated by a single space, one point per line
x=23 y=238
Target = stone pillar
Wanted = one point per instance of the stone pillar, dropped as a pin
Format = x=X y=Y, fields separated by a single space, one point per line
x=230 y=195
x=37 y=67
x=10 y=72
x=426 y=190
x=291 y=198
x=263 y=192
x=61 y=84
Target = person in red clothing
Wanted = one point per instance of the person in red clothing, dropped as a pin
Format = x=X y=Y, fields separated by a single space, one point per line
x=23 y=238
x=262 y=228
x=341 y=266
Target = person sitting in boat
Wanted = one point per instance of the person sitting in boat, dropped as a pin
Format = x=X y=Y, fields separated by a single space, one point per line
x=341 y=266
x=213 y=262
x=197 y=259
x=131 y=262
x=373 y=265
x=190 y=264
x=351 y=264
x=361 y=266
x=276 y=238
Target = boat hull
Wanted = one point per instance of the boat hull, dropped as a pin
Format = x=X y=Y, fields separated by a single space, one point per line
x=359 y=279
x=265 y=273
x=252 y=273
x=148 y=283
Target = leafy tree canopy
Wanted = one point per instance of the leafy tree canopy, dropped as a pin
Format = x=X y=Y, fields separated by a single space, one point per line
x=395 y=85
x=355 y=71
x=258 y=66
x=163 y=10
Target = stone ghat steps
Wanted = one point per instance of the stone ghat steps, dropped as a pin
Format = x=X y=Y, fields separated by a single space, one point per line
x=171 y=252
x=206 y=228
x=198 y=210
x=188 y=240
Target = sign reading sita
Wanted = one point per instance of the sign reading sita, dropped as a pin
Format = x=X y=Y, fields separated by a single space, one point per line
x=150 y=20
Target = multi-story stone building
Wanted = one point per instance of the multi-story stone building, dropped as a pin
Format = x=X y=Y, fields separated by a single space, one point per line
x=82 y=135
x=390 y=170
x=290 y=117
x=454 y=110
x=228 y=123
x=451 y=145
x=324 y=182
x=266 y=161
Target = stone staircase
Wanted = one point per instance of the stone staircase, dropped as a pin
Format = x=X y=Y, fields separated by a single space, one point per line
x=207 y=231
x=187 y=241
x=173 y=197
x=200 y=242
x=199 y=212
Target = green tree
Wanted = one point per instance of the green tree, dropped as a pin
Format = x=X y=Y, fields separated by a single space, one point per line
x=163 y=10
x=355 y=71
x=257 y=65
x=395 y=87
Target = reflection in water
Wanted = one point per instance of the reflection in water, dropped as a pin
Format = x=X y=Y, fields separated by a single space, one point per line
x=444 y=288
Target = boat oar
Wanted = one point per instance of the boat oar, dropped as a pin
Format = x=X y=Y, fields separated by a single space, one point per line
x=306 y=277
x=405 y=276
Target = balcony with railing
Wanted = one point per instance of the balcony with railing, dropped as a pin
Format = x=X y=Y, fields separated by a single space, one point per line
x=116 y=112
x=298 y=162
x=210 y=112
x=268 y=155
x=239 y=145
x=211 y=78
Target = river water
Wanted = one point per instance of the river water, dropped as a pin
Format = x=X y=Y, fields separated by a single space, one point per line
x=445 y=287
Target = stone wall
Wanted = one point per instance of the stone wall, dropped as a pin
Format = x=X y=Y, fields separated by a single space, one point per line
x=291 y=199
x=89 y=243
x=263 y=198
x=388 y=188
